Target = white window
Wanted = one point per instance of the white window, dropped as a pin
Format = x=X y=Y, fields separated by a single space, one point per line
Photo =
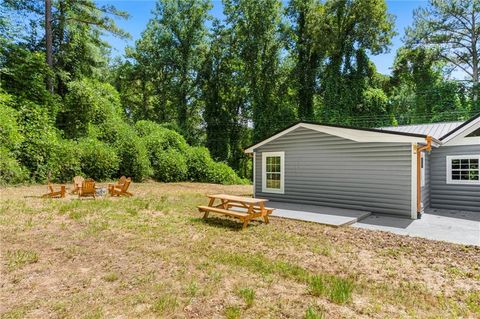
x=273 y=169
x=463 y=169
x=422 y=167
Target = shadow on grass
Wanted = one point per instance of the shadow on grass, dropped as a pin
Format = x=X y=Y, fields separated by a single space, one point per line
x=225 y=223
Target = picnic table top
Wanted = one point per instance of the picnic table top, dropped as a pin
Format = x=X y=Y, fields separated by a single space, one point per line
x=241 y=199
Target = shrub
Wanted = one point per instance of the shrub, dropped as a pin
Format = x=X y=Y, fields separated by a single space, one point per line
x=221 y=173
x=98 y=160
x=145 y=128
x=164 y=139
x=169 y=165
x=199 y=164
x=157 y=137
x=202 y=168
x=10 y=136
x=11 y=172
x=89 y=102
x=65 y=161
x=40 y=140
x=133 y=155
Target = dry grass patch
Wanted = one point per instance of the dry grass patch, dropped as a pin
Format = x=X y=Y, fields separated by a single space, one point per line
x=154 y=256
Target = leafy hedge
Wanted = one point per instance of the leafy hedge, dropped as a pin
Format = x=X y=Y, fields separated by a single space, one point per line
x=102 y=144
x=11 y=172
x=174 y=160
x=98 y=160
x=202 y=168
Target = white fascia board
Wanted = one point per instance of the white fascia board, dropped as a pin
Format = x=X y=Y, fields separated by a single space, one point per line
x=347 y=133
x=274 y=137
x=458 y=138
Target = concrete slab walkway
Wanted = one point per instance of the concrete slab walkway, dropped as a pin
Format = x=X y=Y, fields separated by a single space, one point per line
x=448 y=225
x=319 y=214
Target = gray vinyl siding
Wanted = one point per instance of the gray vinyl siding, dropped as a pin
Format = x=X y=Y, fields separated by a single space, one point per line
x=426 y=188
x=452 y=196
x=326 y=170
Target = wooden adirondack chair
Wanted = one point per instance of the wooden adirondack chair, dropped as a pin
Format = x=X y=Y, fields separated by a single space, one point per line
x=77 y=184
x=54 y=194
x=87 y=189
x=118 y=185
x=123 y=191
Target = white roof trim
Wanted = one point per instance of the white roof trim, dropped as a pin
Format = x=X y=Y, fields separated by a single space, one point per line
x=347 y=133
x=458 y=138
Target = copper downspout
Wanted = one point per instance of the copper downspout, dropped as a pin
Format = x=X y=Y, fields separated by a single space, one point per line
x=420 y=149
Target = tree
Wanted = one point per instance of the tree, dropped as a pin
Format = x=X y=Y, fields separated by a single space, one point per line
x=171 y=51
x=71 y=35
x=225 y=98
x=308 y=50
x=421 y=91
x=353 y=29
x=452 y=28
x=256 y=27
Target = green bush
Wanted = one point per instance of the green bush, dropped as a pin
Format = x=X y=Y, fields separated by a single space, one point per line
x=221 y=173
x=157 y=137
x=98 y=160
x=199 y=164
x=145 y=128
x=88 y=102
x=169 y=165
x=130 y=148
x=165 y=139
x=65 y=161
x=11 y=172
x=133 y=155
x=10 y=136
x=40 y=140
x=202 y=168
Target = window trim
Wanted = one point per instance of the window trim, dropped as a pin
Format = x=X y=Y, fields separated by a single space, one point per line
x=280 y=190
x=449 y=159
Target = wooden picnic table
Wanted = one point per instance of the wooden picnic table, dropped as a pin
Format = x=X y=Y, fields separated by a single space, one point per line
x=250 y=207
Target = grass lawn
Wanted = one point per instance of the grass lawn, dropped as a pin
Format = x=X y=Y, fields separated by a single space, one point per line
x=153 y=256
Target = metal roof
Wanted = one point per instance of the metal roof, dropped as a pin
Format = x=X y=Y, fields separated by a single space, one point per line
x=435 y=130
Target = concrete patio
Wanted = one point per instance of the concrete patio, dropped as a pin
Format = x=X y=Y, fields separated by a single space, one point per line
x=458 y=227
x=452 y=226
x=336 y=217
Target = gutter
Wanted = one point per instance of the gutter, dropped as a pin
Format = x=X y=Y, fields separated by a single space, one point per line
x=420 y=149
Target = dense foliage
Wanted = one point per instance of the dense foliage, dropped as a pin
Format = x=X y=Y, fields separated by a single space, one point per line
x=194 y=90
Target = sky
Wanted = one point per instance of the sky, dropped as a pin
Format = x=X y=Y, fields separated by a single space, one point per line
x=140 y=13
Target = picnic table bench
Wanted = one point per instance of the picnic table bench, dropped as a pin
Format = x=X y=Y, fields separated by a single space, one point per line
x=250 y=207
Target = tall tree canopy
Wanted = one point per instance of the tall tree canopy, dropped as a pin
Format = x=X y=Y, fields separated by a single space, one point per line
x=309 y=47
x=453 y=29
x=75 y=47
x=171 y=51
x=353 y=29
x=256 y=28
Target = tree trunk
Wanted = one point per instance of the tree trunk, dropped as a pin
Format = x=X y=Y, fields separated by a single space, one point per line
x=48 y=41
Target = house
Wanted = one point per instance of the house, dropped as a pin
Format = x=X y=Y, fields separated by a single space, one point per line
x=394 y=170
